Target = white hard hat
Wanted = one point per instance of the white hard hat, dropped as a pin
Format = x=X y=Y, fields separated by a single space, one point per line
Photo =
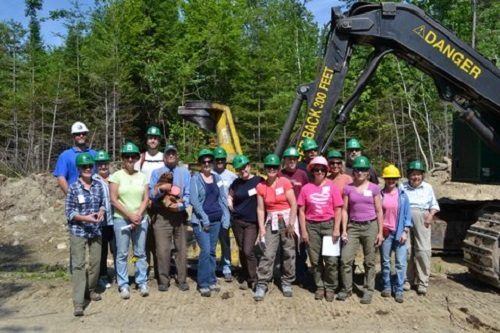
x=78 y=127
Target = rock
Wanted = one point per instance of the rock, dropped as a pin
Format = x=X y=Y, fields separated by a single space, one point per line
x=227 y=295
x=62 y=246
x=20 y=218
x=15 y=243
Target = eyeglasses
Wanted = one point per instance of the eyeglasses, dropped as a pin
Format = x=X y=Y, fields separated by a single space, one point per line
x=207 y=162
x=322 y=170
x=335 y=163
x=354 y=149
x=80 y=134
x=171 y=153
x=271 y=167
x=128 y=157
x=360 y=170
x=87 y=166
x=154 y=137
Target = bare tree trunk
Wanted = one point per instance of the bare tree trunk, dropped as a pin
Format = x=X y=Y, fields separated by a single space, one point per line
x=396 y=130
x=258 y=130
x=446 y=132
x=54 y=116
x=474 y=23
x=297 y=50
x=42 y=143
x=14 y=109
x=428 y=125
x=106 y=116
x=114 y=121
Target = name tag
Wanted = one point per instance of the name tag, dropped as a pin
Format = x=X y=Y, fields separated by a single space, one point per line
x=325 y=190
x=279 y=190
x=252 y=192
x=220 y=183
x=81 y=199
x=367 y=193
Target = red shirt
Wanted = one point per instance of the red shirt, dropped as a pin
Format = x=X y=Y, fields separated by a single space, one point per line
x=274 y=196
x=298 y=178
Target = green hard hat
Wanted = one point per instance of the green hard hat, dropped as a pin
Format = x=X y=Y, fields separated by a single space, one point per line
x=353 y=143
x=309 y=144
x=153 y=131
x=334 y=154
x=239 y=161
x=220 y=152
x=205 y=152
x=291 y=152
x=272 y=160
x=102 y=156
x=130 y=148
x=84 y=159
x=361 y=162
x=416 y=165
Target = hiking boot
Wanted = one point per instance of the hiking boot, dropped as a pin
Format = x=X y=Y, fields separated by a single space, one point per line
x=78 y=311
x=407 y=286
x=243 y=285
x=343 y=295
x=205 y=292
x=144 y=290
x=228 y=277
x=367 y=298
x=95 y=296
x=386 y=293
x=124 y=293
x=399 y=298
x=287 y=290
x=319 y=294
x=421 y=290
x=260 y=293
x=163 y=287
x=330 y=295
x=214 y=288
x=183 y=286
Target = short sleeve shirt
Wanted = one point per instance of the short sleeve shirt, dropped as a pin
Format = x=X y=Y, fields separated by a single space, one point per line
x=245 y=198
x=320 y=201
x=66 y=164
x=362 y=205
x=274 y=196
x=130 y=189
x=298 y=178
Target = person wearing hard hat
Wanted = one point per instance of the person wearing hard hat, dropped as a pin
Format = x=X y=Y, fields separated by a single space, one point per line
x=397 y=224
x=298 y=178
x=362 y=224
x=170 y=223
x=108 y=235
x=277 y=217
x=242 y=202
x=129 y=197
x=320 y=212
x=210 y=214
x=66 y=170
x=336 y=168
x=310 y=148
x=424 y=206
x=354 y=149
x=85 y=212
x=227 y=177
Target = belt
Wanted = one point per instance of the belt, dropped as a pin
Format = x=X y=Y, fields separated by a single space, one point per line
x=319 y=222
x=362 y=222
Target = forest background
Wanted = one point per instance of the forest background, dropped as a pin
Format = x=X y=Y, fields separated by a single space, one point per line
x=127 y=64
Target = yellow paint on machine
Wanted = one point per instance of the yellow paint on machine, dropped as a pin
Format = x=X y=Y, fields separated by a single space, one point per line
x=448 y=50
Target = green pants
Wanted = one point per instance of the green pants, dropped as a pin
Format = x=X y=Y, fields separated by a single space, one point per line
x=364 y=235
x=78 y=247
x=324 y=268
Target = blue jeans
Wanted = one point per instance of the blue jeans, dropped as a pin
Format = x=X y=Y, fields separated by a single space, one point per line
x=138 y=236
x=225 y=246
x=391 y=244
x=207 y=240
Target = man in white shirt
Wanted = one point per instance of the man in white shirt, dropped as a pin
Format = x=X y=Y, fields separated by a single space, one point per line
x=424 y=206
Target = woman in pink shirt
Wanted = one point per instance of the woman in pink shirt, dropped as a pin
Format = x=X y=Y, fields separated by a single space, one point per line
x=320 y=212
x=363 y=210
x=336 y=174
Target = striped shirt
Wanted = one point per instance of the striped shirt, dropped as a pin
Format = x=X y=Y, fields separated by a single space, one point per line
x=80 y=201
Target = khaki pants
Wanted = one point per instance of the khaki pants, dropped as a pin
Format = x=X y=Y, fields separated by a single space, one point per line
x=78 y=247
x=325 y=269
x=419 y=250
x=364 y=235
x=276 y=240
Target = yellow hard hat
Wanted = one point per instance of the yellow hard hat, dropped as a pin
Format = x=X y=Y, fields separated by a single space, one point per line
x=391 y=171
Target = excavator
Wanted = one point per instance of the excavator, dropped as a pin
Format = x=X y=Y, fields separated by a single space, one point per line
x=463 y=77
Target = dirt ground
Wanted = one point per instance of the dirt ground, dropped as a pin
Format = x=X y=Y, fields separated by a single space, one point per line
x=35 y=290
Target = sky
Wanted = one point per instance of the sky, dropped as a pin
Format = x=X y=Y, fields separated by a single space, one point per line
x=52 y=30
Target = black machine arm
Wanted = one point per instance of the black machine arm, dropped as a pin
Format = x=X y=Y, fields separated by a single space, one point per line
x=462 y=75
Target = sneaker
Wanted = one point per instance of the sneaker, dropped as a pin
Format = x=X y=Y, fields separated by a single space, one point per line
x=205 y=292
x=78 y=311
x=330 y=295
x=215 y=288
x=386 y=293
x=104 y=282
x=287 y=290
x=343 y=295
x=95 y=296
x=260 y=293
x=228 y=277
x=407 y=286
x=162 y=287
x=144 y=290
x=243 y=285
x=367 y=298
x=399 y=298
x=421 y=290
x=183 y=286
x=124 y=293
x=319 y=294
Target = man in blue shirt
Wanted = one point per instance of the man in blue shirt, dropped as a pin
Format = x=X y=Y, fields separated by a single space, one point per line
x=66 y=170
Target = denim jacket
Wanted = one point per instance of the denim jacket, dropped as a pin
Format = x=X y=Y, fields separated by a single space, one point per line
x=404 y=213
x=197 y=198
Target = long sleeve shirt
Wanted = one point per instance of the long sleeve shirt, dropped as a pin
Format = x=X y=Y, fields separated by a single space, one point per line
x=182 y=179
x=421 y=197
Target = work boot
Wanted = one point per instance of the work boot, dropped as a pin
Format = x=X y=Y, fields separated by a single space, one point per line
x=205 y=292
x=78 y=311
x=421 y=290
x=95 y=296
x=367 y=298
x=407 y=286
x=319 y=294
x=183 y=286
x=386 y=293
x=343 y=295
x=330 y=295
x=399 y=298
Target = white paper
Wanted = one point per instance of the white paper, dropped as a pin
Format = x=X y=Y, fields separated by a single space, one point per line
x=330 y=249
x=128 y=226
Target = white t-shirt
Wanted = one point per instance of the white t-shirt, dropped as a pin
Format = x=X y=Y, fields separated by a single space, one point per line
x=149 y=164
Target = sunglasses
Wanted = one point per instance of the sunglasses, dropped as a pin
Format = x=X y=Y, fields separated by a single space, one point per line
x=207 y=162
x=87 y=166
x=360 y=170
x=354 y=149
x=128 y=157
x=80 y=134
x=335 y=163
x=322 y=170
x=271 y=167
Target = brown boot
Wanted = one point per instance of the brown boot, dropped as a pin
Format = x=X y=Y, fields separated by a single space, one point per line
x=319 y=294
x=330 y=295
x=95 y=296
x=78 y=312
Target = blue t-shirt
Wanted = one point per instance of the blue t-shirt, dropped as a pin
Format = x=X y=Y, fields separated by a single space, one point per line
x=66 y=164
x=211 y=205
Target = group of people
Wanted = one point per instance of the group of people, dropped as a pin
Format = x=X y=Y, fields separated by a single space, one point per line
x=296 y=210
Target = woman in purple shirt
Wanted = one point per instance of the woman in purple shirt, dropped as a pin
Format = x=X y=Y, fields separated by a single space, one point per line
x=363 y=210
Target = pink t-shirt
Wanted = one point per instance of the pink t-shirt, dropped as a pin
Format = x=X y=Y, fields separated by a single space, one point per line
x=341 y=181
x=362 y=205
x=274 y=197
x=320 y=201
x=390 y=208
